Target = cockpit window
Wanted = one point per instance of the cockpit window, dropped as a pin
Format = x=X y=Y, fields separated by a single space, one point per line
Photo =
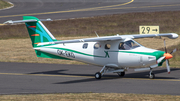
x=127 y=45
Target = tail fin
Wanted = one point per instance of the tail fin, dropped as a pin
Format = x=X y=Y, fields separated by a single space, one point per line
x=38 y=34
x=37 y=31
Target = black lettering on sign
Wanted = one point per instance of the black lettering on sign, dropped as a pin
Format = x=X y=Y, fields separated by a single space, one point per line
x=148 y=29
x=143 y=30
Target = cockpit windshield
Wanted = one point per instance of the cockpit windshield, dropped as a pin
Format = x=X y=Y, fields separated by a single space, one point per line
x=127 y=45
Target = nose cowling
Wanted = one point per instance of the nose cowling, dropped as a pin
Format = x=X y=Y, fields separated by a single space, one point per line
x=159 y=54
x=167 y=56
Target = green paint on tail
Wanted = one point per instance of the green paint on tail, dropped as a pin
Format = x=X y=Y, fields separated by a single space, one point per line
x=39 y=34
x=47 y=55
x=37 y=31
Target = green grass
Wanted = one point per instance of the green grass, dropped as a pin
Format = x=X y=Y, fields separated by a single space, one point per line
x=89 y=97
x=4 y=4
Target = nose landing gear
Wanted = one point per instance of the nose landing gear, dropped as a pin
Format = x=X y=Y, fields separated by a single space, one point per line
x=151 y=75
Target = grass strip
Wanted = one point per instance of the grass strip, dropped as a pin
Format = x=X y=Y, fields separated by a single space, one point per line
x=89 y=97
x=4 y=4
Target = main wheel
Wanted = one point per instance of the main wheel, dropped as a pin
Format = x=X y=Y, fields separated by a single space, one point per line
x=98 y=75
x=121 y=74
x=152 y=76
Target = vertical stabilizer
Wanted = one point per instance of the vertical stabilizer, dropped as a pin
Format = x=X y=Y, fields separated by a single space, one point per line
x=37 y=31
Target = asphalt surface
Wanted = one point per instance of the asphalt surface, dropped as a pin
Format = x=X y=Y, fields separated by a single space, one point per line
x=25 y=78
x=64 y=9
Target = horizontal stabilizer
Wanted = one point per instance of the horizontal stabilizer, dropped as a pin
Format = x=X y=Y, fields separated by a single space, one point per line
x=23 y=21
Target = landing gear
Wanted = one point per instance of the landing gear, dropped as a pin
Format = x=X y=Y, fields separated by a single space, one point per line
x=121 y=74
x=107 y=69
x=98 y=75
x=151 y=75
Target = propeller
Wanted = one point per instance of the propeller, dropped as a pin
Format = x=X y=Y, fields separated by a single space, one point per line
x=165 y=46
x=167 y=65
x=166 y=56
x=173 y=51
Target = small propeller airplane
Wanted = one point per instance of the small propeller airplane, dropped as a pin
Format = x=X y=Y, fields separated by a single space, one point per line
x=114 y=53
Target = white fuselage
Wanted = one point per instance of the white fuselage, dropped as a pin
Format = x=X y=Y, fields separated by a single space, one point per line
x=113 y=56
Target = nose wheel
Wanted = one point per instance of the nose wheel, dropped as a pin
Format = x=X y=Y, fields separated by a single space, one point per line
x=152 y=76
x=98 y=75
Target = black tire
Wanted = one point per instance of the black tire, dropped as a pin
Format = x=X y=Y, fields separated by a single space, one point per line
x=152 y=76
x=121 y=74
x=98 y=75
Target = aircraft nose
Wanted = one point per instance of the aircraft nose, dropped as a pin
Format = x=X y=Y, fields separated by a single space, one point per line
x=167 y=56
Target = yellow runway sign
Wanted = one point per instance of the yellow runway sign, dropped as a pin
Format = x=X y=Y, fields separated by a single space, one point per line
x=149 y=29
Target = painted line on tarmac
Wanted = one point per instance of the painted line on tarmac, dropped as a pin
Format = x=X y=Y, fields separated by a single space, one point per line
x=21 y=74
x=2 y=24
x=78 y=10
x=89 y=9
x=92 y=9
x=155 y=6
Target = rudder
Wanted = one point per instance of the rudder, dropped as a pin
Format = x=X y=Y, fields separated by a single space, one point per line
x=37 y=31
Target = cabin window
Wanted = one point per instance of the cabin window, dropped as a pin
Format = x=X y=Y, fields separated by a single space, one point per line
x=128 y=45
x=107 y=46
x=121 y=46
x=85 y=45
x=96 y=45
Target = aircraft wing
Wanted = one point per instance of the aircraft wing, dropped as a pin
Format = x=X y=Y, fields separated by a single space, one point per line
x=111 y=38
x=169 y=35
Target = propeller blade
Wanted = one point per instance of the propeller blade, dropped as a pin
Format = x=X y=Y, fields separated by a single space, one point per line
x=173 y=51
x=160 y=59
x=165 y=46
x=168 y=62
x=167 y=65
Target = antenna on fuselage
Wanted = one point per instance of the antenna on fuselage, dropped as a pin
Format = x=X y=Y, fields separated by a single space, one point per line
x=96 y=34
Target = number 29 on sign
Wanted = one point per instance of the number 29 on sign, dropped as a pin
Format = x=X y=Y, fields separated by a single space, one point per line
x=149 y=29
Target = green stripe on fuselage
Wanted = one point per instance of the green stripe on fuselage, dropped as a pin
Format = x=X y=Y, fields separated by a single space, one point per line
x=70 y=50
x=157 y=54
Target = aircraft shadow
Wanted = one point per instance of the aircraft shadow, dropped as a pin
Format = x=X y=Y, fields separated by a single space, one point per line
x=59 y=72
x=146 y=74
x=86 y=80
x=90 y=77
